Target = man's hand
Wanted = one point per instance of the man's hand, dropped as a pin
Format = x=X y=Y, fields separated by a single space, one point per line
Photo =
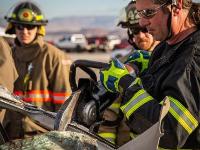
x=139 y=58
x=117 y=76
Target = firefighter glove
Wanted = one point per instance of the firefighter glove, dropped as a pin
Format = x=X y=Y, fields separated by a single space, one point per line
x=139 y=58
x=116 y=77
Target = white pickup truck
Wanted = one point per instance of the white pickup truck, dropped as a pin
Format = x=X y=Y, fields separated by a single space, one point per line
x=74 y=42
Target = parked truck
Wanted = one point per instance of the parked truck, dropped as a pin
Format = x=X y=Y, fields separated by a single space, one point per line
x=74 y=42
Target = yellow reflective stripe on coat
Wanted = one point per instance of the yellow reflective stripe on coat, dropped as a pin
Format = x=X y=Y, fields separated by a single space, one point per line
x=108 y=136
x=182 y=115
x=139 y=99
x=115 y=107
x=132 y=135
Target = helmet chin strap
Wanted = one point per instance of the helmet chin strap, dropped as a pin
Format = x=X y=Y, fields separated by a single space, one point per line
x=130 y=39
x=152 y=46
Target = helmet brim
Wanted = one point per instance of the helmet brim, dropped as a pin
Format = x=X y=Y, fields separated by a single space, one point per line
x=38 y=23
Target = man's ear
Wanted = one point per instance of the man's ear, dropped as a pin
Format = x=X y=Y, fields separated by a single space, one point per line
x=178 y=4
x=177 y=8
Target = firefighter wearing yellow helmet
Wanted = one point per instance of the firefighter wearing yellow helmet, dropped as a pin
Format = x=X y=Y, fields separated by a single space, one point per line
x=43 y=74
x=26 y=13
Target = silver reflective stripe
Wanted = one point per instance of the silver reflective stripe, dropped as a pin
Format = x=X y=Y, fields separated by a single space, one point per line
x=182 y=115
x=36 y=95
x=139 y=99
x=60 y=97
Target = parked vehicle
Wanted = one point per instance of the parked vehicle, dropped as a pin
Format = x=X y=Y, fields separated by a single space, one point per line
x=112 y=41
x=74 y=42
x=123 y=45
x=103 y=43
x=97 y=43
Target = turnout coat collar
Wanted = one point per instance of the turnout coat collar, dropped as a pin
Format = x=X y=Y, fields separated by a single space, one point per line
x=29 y=52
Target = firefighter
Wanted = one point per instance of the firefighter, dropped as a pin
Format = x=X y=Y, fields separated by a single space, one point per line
x=138 y=36
x=143 y=43
x=43 y=75
x=173 y=71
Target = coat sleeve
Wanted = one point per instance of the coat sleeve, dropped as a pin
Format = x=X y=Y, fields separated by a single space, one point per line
x=142 y=110
x=59 y=79
x=8 y=73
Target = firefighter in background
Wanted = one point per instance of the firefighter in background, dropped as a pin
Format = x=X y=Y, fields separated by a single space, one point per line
x=173 y=71
x=43 y=76
x=143 y=43
x=138 y=36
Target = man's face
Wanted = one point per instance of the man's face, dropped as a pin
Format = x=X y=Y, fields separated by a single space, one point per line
x=143 y=39
x=156 y=23
x=25 y=33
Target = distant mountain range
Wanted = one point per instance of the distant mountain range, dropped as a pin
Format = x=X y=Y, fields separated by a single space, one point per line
x=77 y=23
x=88 y=25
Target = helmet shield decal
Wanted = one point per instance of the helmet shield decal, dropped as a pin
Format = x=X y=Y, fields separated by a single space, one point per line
x=26 y=15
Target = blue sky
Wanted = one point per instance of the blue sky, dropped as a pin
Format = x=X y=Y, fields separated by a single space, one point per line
x=60 y=8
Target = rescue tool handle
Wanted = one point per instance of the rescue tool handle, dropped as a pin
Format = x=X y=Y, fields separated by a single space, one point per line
x=86 y=66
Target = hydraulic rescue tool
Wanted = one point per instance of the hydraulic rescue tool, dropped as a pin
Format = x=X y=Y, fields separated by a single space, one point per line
x=82 y=111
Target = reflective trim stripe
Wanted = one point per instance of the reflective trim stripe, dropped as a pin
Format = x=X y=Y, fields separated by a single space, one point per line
x=115 y=107
x=59 y=98
x=43 y=96
x=36 y=96
x=182 y=115
x=34 y=99
x=139 y=99
x=18 y=93
x=39 y=17
x=108 y=136
x=132 y=135
x=13 y=16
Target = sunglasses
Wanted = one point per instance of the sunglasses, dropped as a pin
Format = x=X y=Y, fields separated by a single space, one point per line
x=136 y=31
x=27 y=26
x=149 y=13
